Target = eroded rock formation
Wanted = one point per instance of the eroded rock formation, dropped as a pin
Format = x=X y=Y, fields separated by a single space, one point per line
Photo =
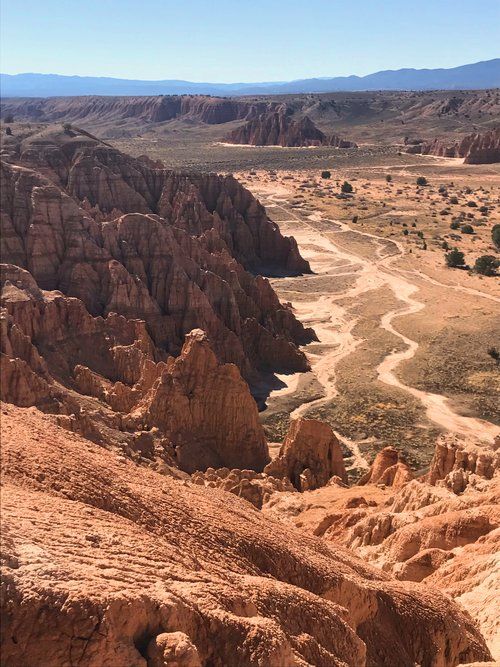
x=442 y=529
x=176 y=268
x=130 y=567
x=310 y=455
x=477 y=148
x=278 y=128
x=387 y=468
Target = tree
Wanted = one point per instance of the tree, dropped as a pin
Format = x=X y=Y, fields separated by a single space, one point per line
x=455 y=259
x=346 y=187
x=421 y=180
x=325 y=174
x=494 y=354
x=495 y=235
x=486 y=265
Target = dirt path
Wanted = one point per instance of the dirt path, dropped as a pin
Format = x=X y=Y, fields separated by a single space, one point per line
x=334 y=324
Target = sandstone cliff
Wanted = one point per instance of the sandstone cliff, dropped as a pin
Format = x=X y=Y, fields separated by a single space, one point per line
x=177 y=268
x=191 y=412
x=477 y=148
x=278 y=128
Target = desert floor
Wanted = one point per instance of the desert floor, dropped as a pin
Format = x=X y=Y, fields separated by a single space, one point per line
x=403 y=340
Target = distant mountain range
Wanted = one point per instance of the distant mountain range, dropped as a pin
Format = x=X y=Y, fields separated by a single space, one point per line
x=475 y=76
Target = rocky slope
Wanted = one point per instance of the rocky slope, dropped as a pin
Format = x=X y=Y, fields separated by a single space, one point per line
x=441 y=529
x=150 y=109
x=172 y=249
x=278 y=128
x=130 y=567
x=358 y=113
x=475 y=148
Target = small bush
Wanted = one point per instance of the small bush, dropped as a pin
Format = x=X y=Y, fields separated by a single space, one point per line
x=472 y=204
x=494 y=354
x=486 y=265
x=388 y=178
x=326 y=174
x=495 y=235
x=67 y=127
x=8 y=131
x=9 y=118
x=355 y=219
x=453 y=200
x=455 y=259
x=421 y=181
x=346 y=187
x=405 y=232
x=467 y=229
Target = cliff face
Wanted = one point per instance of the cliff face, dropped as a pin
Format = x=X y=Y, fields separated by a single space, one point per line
x=130 y=567
x=277 y=128
x=112 y=384
x=478 y=148
x=110 y=263
x=153 y=109
x=177 y=268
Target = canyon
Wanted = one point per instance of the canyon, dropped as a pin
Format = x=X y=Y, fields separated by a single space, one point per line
x=151 y=515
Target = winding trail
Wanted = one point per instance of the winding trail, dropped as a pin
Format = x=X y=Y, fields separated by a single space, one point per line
x=334 y=324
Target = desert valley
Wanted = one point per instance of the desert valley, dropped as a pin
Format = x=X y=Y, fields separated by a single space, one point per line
x=250 y=378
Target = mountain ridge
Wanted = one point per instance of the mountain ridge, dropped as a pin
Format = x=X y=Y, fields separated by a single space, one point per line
x=484 y=74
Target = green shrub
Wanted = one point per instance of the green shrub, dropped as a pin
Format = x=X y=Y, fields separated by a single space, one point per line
x=486 y=265
x=467 y=229
x=388 y=178
x=455 y=259
x=326 y=174
x=421 y=180
x=346 y=187
x=495 y=235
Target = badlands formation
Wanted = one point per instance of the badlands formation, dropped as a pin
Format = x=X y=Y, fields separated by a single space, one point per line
x=147 y=521
x=474 y=148
x=277 y=128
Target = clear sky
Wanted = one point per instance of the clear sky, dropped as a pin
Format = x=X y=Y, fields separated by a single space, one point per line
x=243 y=40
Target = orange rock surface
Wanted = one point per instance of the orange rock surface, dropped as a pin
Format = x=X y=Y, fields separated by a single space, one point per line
x=107 y=563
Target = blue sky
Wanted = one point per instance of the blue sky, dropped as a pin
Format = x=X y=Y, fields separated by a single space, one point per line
x=232 y=41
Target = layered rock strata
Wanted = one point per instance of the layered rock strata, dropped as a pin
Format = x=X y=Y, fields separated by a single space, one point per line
x=278 y=128
x=477 y=148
